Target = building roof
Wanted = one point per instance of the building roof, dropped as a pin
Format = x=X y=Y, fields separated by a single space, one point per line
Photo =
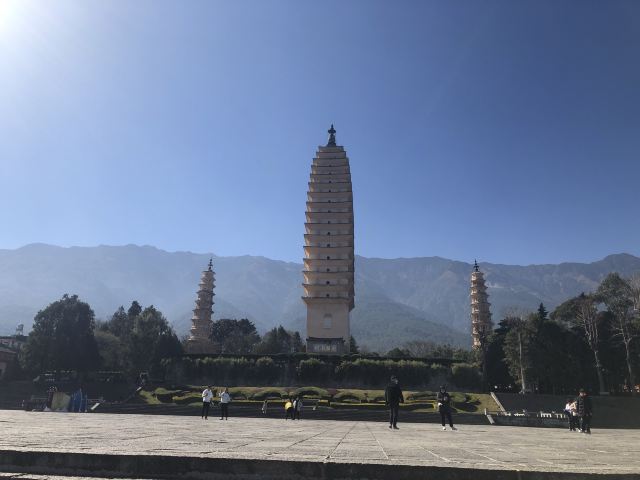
x=5 y=349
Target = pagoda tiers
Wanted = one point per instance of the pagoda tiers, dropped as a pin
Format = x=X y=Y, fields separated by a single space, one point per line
x=481 y=324
x=328 y=251
x=199 y=340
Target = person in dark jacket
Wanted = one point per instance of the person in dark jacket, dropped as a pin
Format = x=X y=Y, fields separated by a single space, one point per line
x=392 y=398
x=585 y=411
x=444 y=407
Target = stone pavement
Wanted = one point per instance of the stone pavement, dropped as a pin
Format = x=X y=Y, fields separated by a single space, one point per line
x=326 y=442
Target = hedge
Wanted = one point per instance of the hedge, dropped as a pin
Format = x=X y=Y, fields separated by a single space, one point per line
x=356 y=373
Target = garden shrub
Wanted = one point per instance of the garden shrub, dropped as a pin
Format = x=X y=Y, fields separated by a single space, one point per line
x=347 y=396
x=267 y=394
x=377 y=372
x=466 y=375
x=187 y=398
x=266 y=370
x=315 y=370
x=420 y=396
x=311 y=392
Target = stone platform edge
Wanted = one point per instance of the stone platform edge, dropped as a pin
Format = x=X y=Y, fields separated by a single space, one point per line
x=207 y=468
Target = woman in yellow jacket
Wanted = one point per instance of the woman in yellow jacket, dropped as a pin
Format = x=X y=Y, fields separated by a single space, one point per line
x=288 y=409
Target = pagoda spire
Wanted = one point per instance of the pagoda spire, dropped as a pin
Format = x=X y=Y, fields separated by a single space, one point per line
x=332 y=137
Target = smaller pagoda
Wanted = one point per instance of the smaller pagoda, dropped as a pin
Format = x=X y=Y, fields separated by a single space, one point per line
x=199 y=340
x=481 y=324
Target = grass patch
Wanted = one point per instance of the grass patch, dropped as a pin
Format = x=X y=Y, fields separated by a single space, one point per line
x=419 y=401
x=149 y=397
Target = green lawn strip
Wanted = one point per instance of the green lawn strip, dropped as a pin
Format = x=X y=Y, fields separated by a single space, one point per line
x=149 y=397
x=334 y=398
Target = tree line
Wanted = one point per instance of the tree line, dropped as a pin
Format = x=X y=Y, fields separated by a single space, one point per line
x=588 y=341
x=67 y=337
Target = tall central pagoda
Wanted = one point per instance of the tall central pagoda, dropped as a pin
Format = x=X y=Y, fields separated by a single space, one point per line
x=328 y=251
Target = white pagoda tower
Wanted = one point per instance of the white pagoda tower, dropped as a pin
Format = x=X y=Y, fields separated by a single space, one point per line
x=199 y=340
x=481 y=324
x=328 y=251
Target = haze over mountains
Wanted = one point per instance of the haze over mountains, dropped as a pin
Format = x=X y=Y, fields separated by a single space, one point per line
x=397 y=300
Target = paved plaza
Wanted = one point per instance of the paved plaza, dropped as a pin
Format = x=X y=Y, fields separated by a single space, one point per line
x=472 y=446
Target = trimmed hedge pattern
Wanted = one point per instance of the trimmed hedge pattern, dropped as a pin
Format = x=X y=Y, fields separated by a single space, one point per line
x=359 y=372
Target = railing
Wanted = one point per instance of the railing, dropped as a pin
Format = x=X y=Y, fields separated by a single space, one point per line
x=525 y=418
x=525 y=413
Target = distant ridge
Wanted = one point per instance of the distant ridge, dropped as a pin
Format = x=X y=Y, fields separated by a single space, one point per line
x=396 y=299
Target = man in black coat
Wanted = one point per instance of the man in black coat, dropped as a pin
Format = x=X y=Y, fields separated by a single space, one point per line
x=585 y=411
x=444 y=407
x=392 y=398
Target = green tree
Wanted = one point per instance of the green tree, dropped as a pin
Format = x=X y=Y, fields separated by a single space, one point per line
x=399 y=353
x=498 y=375
x=121 y=322
x=280 y=340
x=517 y=348
x=134 y=310
x=549 y=355
x=582 y=312
x=617 y=294
x=353 y=346
x=543 y=314
x=62 y=338
x=235 y=336
x=112 y=350
x=152 y=339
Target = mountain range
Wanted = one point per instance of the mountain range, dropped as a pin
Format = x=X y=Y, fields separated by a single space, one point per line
x=397 y=300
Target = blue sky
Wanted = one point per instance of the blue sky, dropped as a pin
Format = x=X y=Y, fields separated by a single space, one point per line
x=499 y=130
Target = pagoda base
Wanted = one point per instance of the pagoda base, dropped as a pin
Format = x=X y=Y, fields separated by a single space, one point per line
x=201 y=347
x=327 y=346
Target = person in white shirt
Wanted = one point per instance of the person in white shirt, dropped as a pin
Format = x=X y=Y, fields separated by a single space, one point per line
x=225 y=399
x=570 y=412
x=207 y=396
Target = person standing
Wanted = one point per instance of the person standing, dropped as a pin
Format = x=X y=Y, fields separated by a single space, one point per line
x=393 y=398
x=225 y=400
x=288 y=409
x=444 y=407
x=297 y=408
x=265 y=405
x=570 y=412
x=585 y=411
x=207 y=396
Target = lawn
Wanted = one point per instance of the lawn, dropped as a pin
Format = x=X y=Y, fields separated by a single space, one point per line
x=420 y=401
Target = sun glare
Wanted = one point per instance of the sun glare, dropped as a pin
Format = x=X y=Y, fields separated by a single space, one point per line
x=8 y=13
x=14 y=17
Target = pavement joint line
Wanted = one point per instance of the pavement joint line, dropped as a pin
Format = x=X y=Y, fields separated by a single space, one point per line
x=481 y=455
x=444 y=459
x=328 y=457
x=378 y=441
x=316 y=435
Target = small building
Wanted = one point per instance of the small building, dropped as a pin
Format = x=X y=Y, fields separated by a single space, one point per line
x=8 y=357
x=13 y=342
